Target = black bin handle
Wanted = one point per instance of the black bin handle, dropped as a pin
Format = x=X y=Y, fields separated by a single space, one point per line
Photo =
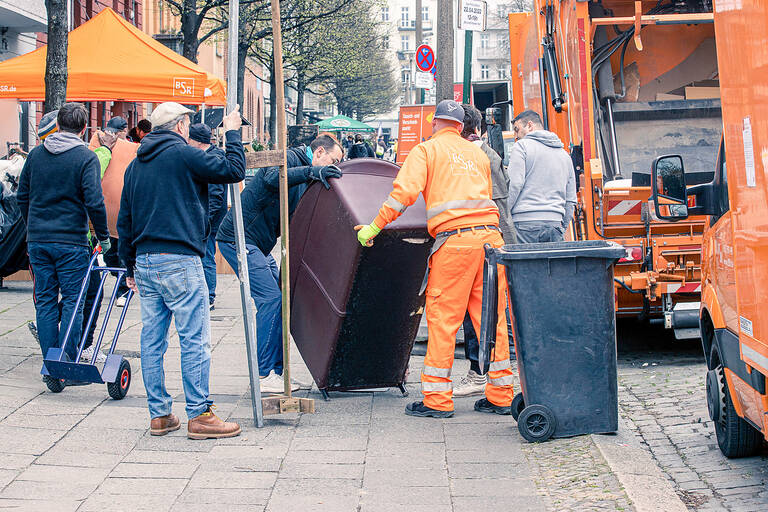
x=490 y=314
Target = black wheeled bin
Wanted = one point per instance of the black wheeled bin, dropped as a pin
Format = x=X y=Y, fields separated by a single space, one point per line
x=562 y=303
x=355 y=311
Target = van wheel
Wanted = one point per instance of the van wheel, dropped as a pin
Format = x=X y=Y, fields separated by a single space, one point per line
x=735 y=436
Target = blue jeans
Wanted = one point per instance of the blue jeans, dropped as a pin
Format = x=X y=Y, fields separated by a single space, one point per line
x=533 y=232
x=209 y=266
x=173 y=284
x=264 y=279
x=58 y=268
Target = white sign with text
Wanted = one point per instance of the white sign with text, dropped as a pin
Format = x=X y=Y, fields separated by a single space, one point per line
x=472 y=15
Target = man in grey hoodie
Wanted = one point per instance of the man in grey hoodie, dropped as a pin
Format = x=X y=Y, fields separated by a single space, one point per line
x=59 y=191
x=542 y=185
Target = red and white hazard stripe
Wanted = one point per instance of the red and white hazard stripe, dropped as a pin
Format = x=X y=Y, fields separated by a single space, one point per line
x=626 y=207
x=683 y=288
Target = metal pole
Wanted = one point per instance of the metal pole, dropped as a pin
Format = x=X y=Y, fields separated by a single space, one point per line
x=282 y=145
x=467 y=96
x=249 y=316
x=419 y=39
x=444 y=50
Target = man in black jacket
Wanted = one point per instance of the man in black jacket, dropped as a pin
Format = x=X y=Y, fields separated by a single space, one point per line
x=200 y=138
x=261 y=218
x=59 y=190
x=361 y=149
x=163 y=226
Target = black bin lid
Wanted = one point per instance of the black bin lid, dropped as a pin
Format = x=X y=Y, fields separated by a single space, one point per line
x=550 y=250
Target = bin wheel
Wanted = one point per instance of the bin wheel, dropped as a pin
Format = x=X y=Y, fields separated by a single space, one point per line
x=735 y=436
x=536 y=423
x=54 y=385
x=118 y=389
x=518 y=404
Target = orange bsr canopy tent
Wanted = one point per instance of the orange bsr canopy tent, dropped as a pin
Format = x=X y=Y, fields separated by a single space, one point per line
x=108 y=59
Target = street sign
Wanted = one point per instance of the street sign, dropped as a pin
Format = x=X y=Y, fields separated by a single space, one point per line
x=424 y=80
x=425 y=57
x=472 y=15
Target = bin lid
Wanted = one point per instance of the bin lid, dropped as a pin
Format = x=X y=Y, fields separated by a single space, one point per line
x=549 y=250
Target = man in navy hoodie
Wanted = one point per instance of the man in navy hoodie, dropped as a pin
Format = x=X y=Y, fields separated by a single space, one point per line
x=163 y=227
x=59 y=190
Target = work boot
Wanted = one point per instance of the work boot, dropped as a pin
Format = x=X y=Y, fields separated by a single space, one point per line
x=163 y=424
x=421 y=410
x=210 y=426
x=483 y=405
x=470 y=385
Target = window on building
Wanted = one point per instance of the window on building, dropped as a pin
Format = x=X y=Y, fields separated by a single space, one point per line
x=385 y=14
x=425 y=14
x=404 y=16
x=485 y=41
x=385 y=42
x=405 y=43
x=406 y=77
x=484 y=72
x=502 y=73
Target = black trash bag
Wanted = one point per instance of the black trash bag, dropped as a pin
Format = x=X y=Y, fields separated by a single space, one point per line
x=13 y=234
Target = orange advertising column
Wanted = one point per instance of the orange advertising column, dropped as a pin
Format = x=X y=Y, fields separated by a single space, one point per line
x=414 y=127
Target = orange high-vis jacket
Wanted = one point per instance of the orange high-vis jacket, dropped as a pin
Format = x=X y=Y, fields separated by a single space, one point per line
x=454 y=175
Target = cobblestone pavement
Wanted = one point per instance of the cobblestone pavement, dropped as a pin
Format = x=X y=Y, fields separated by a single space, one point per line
x=662 y=393
x=80 y=450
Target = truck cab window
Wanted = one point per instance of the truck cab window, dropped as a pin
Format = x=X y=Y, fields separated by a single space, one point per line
x=721 y=185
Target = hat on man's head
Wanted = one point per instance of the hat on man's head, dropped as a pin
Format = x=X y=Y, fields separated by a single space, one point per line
x=47 y=124
x=167 y=112
x=116 y=124
x=200 y=132
x=450 y=110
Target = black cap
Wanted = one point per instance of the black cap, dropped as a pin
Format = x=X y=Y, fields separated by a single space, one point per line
x=450 y=110
x=200 y=132
x=116 y=124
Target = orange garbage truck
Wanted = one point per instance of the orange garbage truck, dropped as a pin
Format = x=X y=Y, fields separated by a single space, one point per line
x=623 y=82
x=734 y=323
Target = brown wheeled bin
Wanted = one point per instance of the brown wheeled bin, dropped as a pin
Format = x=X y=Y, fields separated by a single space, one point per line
x=355 y=311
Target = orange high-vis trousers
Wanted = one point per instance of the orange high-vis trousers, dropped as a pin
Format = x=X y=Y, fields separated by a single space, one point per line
x=456 y=286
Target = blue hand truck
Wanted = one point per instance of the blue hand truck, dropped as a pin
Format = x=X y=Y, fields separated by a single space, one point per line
x=116 y=372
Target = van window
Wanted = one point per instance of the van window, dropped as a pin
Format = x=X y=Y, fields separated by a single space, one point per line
x=721 y=186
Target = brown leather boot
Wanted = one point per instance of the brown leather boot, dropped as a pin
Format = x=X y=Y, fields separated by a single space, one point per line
x=164 y=424
x=210 y=426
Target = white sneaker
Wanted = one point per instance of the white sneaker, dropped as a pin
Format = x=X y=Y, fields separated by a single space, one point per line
x=273 y=384
x=88 y=354
x=120 y=302
x=470 y=385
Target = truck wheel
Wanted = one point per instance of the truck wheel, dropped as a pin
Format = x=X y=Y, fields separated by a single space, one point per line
x=735 y=436
x=518 y=404
x=536 y=423
x=118 y=389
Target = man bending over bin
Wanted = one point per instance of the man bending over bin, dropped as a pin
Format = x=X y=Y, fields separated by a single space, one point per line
x=261 y=218
x=454 y=176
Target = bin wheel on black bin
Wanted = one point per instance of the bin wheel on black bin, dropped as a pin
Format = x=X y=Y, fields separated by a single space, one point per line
x=118 y=389
x=536 y=423
x=518 y=404
x=735 y=436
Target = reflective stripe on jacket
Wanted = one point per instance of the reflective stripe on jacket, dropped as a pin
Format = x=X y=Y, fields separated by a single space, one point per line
x=453 y=175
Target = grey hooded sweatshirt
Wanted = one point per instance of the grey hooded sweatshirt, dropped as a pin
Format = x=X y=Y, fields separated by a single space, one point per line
x=542 y=185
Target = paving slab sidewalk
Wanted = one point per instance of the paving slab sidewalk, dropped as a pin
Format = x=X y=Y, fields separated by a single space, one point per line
x=80 y=450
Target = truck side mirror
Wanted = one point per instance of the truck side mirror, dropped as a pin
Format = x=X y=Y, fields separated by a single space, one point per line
x=670 y=195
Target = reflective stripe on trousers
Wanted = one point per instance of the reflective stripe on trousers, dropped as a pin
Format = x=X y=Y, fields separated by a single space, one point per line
x=455 y=286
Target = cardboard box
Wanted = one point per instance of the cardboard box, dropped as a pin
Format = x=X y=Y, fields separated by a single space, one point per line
x=702 y=93
x=668 y=97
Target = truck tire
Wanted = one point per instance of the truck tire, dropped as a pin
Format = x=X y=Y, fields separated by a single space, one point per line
x=735 y=436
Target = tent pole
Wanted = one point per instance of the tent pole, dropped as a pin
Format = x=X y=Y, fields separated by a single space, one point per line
x=277 y=42
x=249 y=317
x=202 y=114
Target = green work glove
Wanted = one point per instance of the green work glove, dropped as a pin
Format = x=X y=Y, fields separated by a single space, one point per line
x=106 y=245
x=366 y=234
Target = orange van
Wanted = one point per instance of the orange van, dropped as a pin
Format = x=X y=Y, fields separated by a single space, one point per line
x=734 y=305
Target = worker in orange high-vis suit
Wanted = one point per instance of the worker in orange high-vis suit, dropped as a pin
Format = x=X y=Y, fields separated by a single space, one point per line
x=454 y=176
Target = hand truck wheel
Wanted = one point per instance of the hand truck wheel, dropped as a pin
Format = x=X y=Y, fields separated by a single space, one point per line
x=53 y=384
x=118 y=389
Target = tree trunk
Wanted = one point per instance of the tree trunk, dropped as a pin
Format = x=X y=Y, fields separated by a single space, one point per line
x=272 y=106
x=242 y=53
x=190 y=30
x=56 y=59
x=300 y=89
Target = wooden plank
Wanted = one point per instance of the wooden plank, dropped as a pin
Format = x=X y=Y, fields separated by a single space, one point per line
x=283 y=404
x=256 y=159
x=652 y=19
